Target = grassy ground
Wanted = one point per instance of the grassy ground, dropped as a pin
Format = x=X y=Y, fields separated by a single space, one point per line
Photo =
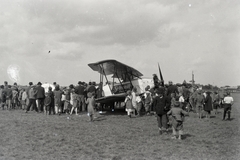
x=115 y=136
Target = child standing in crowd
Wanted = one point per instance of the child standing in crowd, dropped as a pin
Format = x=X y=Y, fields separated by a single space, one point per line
x=51 y=95
x=177 y=119
x=47 y=103
x=14 y=98
x=67 y=101
x=128 y=102
x=90 y=105
x=147 y=102
x=75 y=102
x=63 y=99
x=139 y=104
x=23 y=99
x=134 y=102
x=57 y=99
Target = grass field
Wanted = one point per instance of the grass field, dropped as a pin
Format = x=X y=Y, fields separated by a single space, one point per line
x=115 y=136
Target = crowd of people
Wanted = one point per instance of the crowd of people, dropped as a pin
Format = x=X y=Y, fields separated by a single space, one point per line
x=170 y=103
x=67 y=100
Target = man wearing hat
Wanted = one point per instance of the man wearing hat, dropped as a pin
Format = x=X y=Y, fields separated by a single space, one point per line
x=199 y=101
x=208 y=104
x=216 y=102
x=91 y=88
x=40 y=96
x=172 y=89
x=80 y=89
x=27 y=91
x=227 y=104
x=2 y=96
x=32 y=98
x=5 y=85
x=159 y=104
x=9 y=96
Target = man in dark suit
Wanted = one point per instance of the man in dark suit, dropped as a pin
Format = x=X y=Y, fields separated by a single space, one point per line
x=40 y=96
x=80 y=89
x=172 y=89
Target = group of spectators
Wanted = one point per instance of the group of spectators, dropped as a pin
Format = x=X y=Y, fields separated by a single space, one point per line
x=172 y=102
x=167 y=101
x=56 y=100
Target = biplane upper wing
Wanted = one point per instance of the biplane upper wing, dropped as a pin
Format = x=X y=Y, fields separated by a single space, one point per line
x=115 y=68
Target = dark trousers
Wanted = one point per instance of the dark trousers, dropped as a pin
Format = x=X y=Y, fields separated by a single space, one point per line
x=162 y=121
x=32 y=102
x=47 y=109
x=40 y=104
x=82 y=104
x=227 y=109
x=51 y=108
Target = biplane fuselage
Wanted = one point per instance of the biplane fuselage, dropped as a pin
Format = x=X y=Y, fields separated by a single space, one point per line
x=128 y=78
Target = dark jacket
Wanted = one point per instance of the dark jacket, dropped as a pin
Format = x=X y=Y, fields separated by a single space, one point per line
x=91 y=89
x=41 y=92
x=51 y=95
x=3 y=96
x=57 y=97
x=9 y=93
x=47 y=101
x=208 y=103
x=27 y=91
x=159 y=104
x=172 y=89
x=80 y=90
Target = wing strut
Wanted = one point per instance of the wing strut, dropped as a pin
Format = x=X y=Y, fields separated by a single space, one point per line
x=129 y=77
x=101 y=65
x=119 y=79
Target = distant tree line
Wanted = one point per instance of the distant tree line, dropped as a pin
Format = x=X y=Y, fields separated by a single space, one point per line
x=210 y=87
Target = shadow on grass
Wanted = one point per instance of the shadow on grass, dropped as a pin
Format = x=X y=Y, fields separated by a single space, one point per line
x=185 y=136
x=102 y=118
x=230 y=119
x=115 y=112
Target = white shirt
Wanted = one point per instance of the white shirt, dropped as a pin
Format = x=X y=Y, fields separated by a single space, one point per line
x=228 y=100
x=138 y=99
x=181 y=99
x=134 y=99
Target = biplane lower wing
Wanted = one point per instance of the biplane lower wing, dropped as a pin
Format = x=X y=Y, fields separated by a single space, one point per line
x=113 y=98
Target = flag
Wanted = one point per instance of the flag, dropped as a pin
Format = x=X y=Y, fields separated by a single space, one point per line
x=160 y=73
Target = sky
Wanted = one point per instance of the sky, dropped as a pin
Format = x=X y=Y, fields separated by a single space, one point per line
x=55 y=40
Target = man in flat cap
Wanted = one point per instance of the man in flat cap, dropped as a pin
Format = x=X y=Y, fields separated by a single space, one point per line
x=40 y=96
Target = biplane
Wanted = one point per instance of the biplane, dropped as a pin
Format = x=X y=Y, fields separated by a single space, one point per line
x=127 y=78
